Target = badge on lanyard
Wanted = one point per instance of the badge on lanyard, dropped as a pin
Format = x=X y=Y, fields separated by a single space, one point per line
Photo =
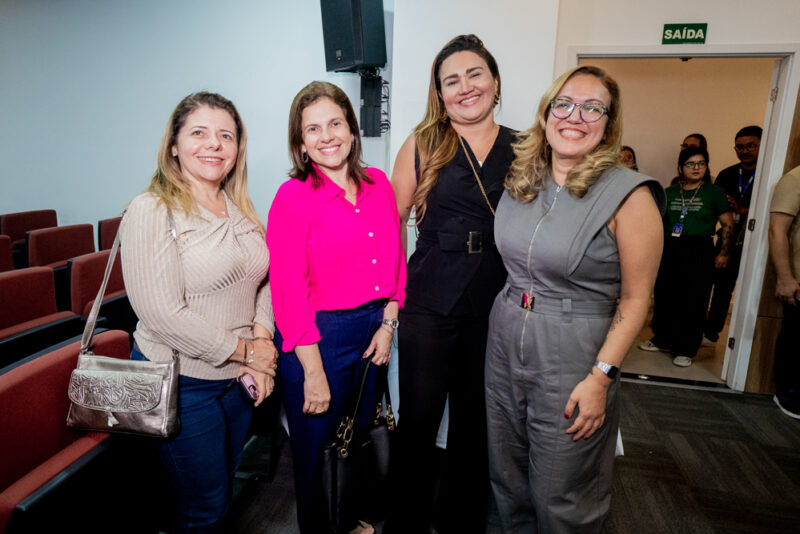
x=677 y=229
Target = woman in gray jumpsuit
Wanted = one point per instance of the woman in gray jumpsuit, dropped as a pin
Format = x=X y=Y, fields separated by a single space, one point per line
x=581 y=238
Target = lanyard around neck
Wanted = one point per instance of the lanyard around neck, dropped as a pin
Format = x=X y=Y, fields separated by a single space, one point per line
x=684 y=205
x=747 y=185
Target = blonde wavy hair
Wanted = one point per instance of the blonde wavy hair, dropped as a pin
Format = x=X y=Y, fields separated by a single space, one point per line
x=168 y=183
x=533 y=154
x=435 y=139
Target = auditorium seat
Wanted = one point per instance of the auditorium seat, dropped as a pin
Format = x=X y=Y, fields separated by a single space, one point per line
x=52 y=247
x=16 y=225
x=29 y=320
x=37 y=447
x=6 y=256
x=85 y=276
x=107 y=231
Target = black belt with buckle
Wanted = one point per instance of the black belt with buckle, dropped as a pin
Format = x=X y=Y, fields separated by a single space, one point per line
x=472 y=242
x=475 y=243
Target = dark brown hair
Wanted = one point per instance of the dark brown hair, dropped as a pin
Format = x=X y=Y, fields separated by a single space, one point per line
x=303 y=167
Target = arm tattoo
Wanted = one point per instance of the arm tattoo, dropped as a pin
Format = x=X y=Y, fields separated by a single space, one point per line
x=727 y=239
x=615 y=321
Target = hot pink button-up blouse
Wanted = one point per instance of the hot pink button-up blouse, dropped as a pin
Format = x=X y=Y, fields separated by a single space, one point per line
x=328 y=254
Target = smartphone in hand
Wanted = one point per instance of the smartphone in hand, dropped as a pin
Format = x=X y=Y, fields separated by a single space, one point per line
x=249 y=386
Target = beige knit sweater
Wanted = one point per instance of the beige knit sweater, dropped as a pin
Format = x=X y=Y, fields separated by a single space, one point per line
x=197 y=294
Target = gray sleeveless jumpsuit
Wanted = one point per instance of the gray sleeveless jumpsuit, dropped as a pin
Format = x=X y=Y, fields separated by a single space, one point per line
x=560 y=249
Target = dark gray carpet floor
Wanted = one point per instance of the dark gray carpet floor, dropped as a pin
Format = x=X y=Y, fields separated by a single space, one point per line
x=695 y=461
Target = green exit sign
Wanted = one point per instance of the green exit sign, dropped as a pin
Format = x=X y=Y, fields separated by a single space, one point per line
x=684 y=33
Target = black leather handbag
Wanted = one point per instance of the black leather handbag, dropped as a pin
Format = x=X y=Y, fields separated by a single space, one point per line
x=355 y=466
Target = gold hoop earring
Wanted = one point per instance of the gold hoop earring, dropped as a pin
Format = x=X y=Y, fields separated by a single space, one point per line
x=443 y=117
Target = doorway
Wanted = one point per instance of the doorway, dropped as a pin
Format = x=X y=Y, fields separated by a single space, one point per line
x=776 y=105
x=664 y=100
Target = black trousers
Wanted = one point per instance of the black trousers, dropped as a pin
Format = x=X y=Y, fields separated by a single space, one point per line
x=787 y=359
x=724 y=283
x=440 y=355
x=681 y=294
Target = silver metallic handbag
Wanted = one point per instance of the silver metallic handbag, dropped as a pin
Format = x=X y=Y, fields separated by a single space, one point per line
x=122 y=396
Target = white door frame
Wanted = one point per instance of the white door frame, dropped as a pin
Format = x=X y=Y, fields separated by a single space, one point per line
x=777 y=127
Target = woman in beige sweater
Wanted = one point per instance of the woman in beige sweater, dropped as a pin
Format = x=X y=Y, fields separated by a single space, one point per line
x=195 y=263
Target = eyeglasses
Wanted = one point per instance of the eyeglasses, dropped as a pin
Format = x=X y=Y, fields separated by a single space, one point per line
x=693 y=164
x=591 y=111
x=749 y=147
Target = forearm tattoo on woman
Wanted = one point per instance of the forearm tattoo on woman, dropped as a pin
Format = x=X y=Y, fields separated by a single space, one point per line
x=615 y=321
x=727 y=239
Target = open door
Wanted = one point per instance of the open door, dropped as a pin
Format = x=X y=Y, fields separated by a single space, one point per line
x=755 y=254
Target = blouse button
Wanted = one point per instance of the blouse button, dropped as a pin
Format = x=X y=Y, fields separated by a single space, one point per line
x=370 y=234
x=374 y=261
x=377 y=288
x=358 y=210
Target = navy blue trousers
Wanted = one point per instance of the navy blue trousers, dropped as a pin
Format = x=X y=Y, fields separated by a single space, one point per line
x=202 y=459
x=346 y=334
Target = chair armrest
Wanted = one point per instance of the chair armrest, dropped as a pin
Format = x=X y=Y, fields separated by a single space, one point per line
x=18 y=346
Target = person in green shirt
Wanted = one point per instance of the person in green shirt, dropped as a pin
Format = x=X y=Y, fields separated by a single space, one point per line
x=683 y=285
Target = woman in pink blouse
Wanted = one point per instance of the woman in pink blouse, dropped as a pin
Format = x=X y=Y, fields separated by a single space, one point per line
x=338 y=277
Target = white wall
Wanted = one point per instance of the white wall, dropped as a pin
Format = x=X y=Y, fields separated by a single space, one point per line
x=666 y=99
x=86 y=89
x=640 y=22
x=520 y=35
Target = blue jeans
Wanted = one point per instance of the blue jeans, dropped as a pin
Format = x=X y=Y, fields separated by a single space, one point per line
x=346 y=334
x=202 y=459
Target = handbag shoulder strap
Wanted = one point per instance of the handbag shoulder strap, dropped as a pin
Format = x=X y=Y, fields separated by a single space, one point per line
x=478 y=178
x=355 y=403
x=91 y=320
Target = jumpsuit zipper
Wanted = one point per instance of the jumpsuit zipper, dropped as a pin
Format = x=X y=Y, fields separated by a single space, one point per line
x=530 y=276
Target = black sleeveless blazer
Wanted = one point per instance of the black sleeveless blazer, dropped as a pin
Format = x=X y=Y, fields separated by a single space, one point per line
x=458 y=220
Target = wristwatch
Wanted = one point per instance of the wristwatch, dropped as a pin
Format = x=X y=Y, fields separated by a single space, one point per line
x=611 y=371
x=393 y=323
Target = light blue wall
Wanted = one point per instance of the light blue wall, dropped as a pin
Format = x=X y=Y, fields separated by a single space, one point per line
x=86 y=87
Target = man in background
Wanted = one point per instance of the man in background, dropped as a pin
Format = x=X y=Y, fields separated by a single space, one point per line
x=737 y=181
x=784 y=250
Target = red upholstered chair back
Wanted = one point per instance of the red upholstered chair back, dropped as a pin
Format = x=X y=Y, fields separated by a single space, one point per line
x=86 y=275
x=35 y=405
x=51 y=245
x=6 y=258
x=26 y=294
x=107 y=231
x=15 y=225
